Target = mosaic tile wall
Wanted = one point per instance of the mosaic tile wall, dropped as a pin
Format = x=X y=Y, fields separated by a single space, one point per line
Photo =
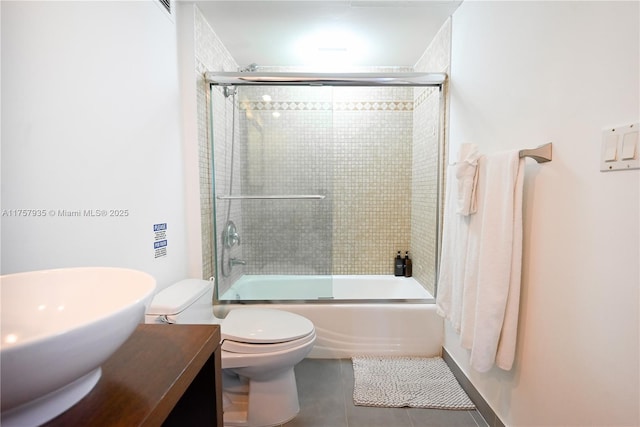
x=372 y=178
x=429 y=127
x=211 y=55
x=351 y=145
x=424 y=186
x=288 y=151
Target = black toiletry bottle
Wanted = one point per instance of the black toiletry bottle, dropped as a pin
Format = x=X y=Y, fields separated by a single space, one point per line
x=408 y=268
x=398 y=267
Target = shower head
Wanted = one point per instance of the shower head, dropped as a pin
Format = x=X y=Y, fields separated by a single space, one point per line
x=251 y=68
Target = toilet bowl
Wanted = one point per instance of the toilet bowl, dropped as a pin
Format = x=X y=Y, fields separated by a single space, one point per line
x=259 y=346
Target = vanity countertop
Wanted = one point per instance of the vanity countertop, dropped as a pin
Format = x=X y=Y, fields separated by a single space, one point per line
x=143 y=383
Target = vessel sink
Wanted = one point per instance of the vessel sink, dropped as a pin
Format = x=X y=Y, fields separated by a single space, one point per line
x=57 y=328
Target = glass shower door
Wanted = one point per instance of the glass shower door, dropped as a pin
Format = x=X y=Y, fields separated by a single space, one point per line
x=281 y=197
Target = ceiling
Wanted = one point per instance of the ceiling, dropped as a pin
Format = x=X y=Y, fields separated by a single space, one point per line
x=327 y=34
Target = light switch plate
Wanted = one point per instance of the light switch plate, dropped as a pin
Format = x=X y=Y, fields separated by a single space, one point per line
x=620 y=140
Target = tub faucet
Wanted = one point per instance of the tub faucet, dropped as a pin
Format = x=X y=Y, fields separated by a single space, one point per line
x=236 y=261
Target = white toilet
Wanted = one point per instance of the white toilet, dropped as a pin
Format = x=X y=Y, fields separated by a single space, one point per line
x=260 y=347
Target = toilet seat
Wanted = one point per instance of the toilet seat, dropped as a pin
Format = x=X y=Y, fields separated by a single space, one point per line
x=264 y=326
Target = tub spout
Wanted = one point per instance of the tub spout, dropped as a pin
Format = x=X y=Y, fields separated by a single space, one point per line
x=235 y=261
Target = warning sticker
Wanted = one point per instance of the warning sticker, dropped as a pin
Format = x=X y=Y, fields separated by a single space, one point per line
x=160 y=240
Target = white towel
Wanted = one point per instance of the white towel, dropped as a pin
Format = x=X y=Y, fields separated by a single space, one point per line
x=467 y=178
x=507 y=344
x=459 y=199
x=491 y=288
x=453 y=255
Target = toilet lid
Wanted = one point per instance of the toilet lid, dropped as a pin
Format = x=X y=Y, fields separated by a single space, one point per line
x=246 y=348
x=264 y=326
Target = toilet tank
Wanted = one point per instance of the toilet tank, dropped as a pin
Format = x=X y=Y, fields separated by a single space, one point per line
x=185 y=302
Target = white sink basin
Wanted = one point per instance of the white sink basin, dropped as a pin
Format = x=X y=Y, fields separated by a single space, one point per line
x=58 y=327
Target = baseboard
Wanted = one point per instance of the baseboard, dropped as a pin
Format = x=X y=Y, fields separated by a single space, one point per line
x=483 y=407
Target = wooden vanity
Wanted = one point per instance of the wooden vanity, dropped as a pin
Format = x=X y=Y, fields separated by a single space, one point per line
x=163 y=375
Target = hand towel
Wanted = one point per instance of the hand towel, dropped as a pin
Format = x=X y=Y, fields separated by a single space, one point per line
x=467 y=178
x=494 y=255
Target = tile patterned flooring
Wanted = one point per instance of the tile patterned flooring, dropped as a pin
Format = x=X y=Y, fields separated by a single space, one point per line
x=325 y=389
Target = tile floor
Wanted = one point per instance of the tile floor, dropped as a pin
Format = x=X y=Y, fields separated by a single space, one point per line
x=325 y=388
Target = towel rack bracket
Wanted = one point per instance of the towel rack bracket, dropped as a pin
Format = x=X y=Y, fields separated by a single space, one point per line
x=541 y=154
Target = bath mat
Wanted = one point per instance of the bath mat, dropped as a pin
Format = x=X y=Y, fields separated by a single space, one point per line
x=416 y=382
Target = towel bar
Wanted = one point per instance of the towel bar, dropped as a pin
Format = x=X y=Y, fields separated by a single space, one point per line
x=283 y=197
x=542 y=154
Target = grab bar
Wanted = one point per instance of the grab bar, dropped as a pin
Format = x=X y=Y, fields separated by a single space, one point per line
x=275 y=197
x=542 y=154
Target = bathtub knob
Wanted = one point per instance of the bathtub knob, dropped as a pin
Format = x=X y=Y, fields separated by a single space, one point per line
x=230 y=236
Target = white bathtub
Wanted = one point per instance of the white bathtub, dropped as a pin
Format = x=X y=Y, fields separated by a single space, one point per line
x=353 y=315
x=341 y=287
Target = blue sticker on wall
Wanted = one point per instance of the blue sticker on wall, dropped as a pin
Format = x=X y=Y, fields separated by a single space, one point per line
x=160 y=240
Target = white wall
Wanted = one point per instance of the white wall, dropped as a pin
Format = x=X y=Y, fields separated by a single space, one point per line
x=523 y=74
x=91 y=120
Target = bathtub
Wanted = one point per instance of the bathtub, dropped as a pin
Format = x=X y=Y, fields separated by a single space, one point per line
x=353 y=315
